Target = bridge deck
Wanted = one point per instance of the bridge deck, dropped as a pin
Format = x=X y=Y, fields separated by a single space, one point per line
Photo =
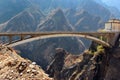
x=40 y=33
x=31 y=36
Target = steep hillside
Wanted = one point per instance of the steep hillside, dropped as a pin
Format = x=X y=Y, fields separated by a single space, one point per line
x=13 y=67
x=10 y=8
x=96 y=9
x=102 y=64
x=27 y=20
x=83 y=21
x=56 y=21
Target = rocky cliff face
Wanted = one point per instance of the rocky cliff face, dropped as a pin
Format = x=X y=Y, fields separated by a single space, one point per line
x=99 y=64
x=13 y=67
x=113 y=71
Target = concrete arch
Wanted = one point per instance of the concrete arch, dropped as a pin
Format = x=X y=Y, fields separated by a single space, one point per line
x=60 y=35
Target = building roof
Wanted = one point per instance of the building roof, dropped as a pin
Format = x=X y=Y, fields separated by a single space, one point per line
x=114 y=21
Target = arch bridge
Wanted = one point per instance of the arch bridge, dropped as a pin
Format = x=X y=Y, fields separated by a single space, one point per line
x=106 y=39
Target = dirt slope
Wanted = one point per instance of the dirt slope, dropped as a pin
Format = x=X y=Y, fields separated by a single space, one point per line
x=13 y=67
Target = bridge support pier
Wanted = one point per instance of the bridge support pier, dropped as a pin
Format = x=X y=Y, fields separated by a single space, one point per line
x=22 y=37
x=10 y=39
x=111 y=38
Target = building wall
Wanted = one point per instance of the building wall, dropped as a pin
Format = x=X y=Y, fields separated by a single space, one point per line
x=116 y=26
x=108 y=26
x=112 y=25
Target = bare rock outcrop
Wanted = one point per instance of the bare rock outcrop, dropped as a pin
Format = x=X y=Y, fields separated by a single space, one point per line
x=13 y=67
x=90 y=65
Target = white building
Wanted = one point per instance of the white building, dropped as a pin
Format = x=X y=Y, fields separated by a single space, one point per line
x=112 y=25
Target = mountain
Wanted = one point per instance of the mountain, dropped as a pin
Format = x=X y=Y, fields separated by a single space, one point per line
x=96 y=9
x=62 y=15
x=83 y=21
x=26 y=20
x=96 y=13
x=56 y=22
x=9 y=8
x=113 y=9
x=87 y=22
x=42 y=50
x=93 y=7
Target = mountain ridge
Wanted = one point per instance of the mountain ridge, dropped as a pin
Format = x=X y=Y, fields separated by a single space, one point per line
x=27 y=20
x=56 y=20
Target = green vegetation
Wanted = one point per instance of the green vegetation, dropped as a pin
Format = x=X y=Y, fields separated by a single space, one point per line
x=103 y=38
x=99 y=50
